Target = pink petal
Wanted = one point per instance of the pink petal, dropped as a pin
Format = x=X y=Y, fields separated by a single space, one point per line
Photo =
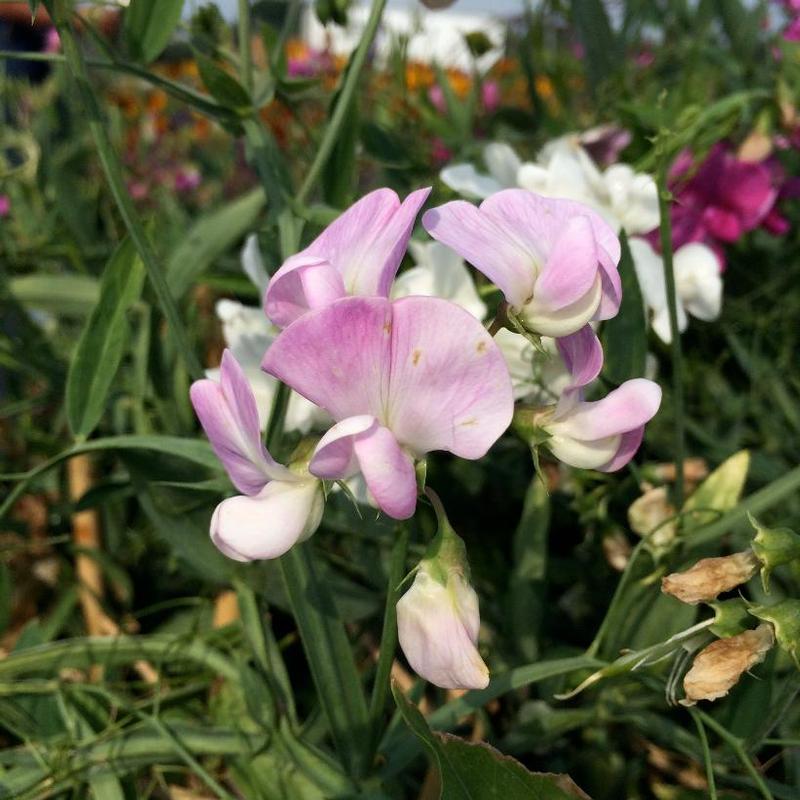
x=582 y=354
x=476 y=238
x=571 y=267
x=629 y=444
x=338 y=356
x=267 y=525
x=360 y=444
x=450 y=388
x=334 y=457
x=722 y=223
x=367 y=242
x=303 y=282
x=626 y=408
x=227 y=411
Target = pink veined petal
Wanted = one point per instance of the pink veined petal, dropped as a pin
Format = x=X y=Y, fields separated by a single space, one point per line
x=227 y=411
x=334 y=457
x=367 y=242
x=388 y=471
x=582 y=354
x=626 y=408
x=338 y=357
x=611 y=297
x=302 y=283
x=269 y=524
x=571 y=268
x=360 y=444
x=476 y=238
x=450 y=388
x=629 y=444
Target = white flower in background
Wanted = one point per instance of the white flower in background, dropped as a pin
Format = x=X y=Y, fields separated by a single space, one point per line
x=698 y=284
x=248 y=334
x=439 y=272
x=564 y=168
x=537 y=377
x=501 y=161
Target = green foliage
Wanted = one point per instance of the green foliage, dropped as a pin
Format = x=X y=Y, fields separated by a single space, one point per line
x=149 y=26
x=103 y=341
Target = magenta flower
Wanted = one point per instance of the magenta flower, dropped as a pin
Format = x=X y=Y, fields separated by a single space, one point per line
x=490 y=96
x=280 y=506
x=5 y=205
x=357 y=254
x=401 y=379
x=722 y=201
x=604 y=434
x=554 y=260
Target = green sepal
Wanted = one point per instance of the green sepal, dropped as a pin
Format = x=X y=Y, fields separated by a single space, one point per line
x=773 y=547
x=730 y=617
x=785 y=618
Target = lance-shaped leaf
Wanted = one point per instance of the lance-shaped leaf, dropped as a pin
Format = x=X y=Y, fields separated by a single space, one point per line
x=149 y=25
x=471 y=771
x=102 y=343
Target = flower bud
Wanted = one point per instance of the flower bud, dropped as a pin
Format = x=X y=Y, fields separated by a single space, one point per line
x=774 y=547
x=718 y=667
x=785 y=618
x=710 y=577
x=438 y=618
x=653 y=516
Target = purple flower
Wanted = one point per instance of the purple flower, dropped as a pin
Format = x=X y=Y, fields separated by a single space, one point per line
x=187 y=179
x=722 y=201
x=400 y=379
x=279 y=506
x=357 y=254
x=5 y=205
x=554 y=260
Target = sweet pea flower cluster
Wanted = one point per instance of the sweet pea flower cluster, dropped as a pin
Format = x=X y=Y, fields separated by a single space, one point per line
x=394 y=372
x=584 y=167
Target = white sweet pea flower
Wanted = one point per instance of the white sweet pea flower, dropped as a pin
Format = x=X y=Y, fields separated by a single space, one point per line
x=539 y=378
x=439 y=272
x=501 y=161
x=624 y=198
x=698 y=284
x=248 y=335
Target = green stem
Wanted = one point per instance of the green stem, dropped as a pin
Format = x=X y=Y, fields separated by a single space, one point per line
x=665 y=227
x=709 y=764
x=380 y=689
x=116 y=182
x=344 y=102
x=245 y=54
x=735 y=745
x=277 y=418
x=329 y=655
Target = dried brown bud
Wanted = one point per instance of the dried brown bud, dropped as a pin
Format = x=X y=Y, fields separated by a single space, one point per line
x=710 y=577
x=718 y=667
x=756 y=147
x=653 y=515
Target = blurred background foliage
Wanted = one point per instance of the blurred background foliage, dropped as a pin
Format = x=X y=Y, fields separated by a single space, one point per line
x=209 y=692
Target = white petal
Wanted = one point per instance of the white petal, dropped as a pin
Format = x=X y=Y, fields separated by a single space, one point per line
x=502 y=162
x=698 y=281
x=467 y=181
x=253 y=264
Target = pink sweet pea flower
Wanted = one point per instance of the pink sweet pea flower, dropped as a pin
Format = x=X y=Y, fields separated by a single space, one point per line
x=555 y=260
x=401 y=379
x=280 y=506
x=604 y=434
x=357 y=254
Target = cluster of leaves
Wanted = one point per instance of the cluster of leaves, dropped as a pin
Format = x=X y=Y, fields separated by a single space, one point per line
x=105 y=311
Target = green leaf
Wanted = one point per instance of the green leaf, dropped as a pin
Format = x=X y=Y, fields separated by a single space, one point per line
x=149 y=25
x=384 y=145
x=210 y=236
x=329 y=654
x=470 y=771
x=103 y=341
x=221 y=85
x=599 y=40
x=625 y=336
x=719 y=492
x=70 y=295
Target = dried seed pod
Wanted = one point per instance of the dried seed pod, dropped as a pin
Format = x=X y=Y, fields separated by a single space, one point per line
x=718 y=667
x=710 y=577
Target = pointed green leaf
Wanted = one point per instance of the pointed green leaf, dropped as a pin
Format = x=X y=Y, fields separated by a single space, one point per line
x=149 y=25
x=103 y=341
x=470 y=771
x=720 y=491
